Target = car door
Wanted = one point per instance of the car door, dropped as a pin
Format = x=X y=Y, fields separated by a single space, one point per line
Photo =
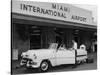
x=64 y=56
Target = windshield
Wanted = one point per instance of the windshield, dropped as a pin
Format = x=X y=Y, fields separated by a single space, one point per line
x=53 y=46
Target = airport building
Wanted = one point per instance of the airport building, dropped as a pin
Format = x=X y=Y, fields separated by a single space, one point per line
x=37 y=24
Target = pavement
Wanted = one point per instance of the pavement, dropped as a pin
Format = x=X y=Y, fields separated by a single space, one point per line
x=63 y=68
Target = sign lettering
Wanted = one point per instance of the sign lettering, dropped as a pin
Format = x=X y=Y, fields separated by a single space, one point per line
x=58 y=7
x=78 y=18
x=64 y=12
x=33 y=9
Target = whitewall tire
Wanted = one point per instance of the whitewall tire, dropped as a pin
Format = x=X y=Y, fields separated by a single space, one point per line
x=44 y=66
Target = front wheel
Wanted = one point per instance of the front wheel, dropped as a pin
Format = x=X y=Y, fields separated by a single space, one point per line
x=44 y=66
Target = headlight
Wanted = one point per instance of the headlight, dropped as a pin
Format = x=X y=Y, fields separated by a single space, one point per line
x=24 y=55
x=34 y=55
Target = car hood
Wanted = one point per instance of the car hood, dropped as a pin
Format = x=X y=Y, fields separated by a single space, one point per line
x=38 y=52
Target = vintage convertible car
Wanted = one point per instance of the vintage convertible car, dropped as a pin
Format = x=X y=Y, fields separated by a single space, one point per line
x=53 y=56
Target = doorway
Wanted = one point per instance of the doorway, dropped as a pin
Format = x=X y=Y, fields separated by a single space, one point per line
x=35 y=37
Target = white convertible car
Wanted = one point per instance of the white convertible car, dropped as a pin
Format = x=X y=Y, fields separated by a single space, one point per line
x=53 y=56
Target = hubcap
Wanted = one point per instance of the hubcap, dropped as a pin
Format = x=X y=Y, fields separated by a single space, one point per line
x=44 y=66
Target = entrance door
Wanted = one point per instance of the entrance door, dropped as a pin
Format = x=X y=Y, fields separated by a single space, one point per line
x=35 y=37
x=35 y=42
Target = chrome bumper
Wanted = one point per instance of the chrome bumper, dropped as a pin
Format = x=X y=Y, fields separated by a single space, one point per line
x=28 y=63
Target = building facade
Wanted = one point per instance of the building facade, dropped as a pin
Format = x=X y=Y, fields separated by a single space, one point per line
x=37 y=24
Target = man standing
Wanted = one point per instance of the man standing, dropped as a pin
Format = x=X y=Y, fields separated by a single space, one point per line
x=74 y=45
x=75 y=48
